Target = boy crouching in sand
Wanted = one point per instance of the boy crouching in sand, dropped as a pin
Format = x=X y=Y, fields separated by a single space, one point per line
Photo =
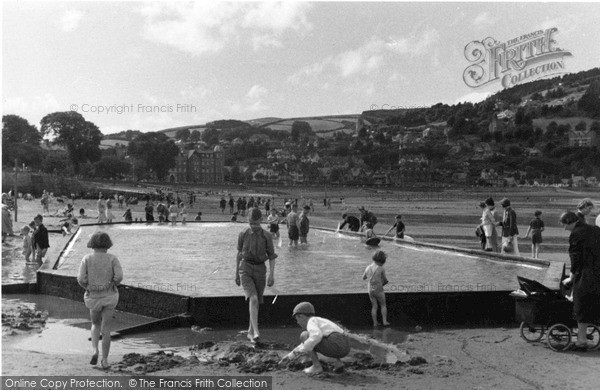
x=375 y=273
x=319 y=335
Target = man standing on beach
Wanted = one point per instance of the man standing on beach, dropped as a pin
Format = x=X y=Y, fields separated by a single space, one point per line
x=510 y=231
x=255 y=247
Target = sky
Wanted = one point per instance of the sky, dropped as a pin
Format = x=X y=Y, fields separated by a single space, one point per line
x=154 y=65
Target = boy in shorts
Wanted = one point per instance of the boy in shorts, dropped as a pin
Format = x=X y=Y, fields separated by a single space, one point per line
x=319 y=335
x=255 y=248
x=273 y=221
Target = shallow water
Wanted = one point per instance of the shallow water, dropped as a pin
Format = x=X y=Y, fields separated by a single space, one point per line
x=198 y=259
x=14 y=267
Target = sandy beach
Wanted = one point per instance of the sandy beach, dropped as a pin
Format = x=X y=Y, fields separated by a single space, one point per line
x=472 y=358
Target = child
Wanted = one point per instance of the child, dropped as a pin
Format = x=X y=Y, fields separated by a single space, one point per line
x=182 y=212
x=99 y=274
x=127 y=215
x=320 y=335
x=65 y=225
x=109 y=215
x=234 y=217
x=375 y=273
x=160 y=209
x=40 y=238
x=399 y=225
x=369 y=233
x=27 y=246
x=173 y=212
x=199 y=216
x=303 y=224
x=82 y=213
x=536 y=227
x=293 y=223
x=273 y=221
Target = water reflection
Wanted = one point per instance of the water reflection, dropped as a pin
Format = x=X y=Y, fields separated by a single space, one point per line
x=199 y=260
x=14 y=267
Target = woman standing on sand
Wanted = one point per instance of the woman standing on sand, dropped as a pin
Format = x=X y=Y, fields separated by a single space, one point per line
x=584 y=252
x=99 y=274
x=488 y=223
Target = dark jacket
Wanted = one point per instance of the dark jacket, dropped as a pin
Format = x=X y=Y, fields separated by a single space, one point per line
x=40 y=237
x=353 y=223
x=509 y=223
x=584 y=251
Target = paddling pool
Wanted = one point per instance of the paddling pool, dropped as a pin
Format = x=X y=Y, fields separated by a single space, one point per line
x=198 y=260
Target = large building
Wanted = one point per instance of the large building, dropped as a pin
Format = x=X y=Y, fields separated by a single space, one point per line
x=198 y=166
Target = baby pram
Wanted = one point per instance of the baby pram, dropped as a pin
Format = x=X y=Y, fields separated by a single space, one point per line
x=542 y=310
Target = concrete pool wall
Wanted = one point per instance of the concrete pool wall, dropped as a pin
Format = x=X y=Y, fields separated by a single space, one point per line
x=431 y=305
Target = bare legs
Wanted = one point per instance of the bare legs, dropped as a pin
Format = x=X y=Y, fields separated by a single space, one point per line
x=375 y=302
x=253 y=332
x=316 y=367
x=101 y=321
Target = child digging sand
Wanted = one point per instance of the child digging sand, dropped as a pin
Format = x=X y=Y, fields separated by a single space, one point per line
x=319 y=335
x=375 y=273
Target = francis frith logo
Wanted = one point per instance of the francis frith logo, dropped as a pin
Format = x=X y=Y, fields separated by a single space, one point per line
x=522 y=59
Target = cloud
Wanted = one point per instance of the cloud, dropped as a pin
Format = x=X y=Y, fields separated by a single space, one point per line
x=70 y=20
x=208 y=27
x=473 y=97
x=415 y=44
x=309 y=71
x=256 y=92
x=278 y=16
x=484 y=20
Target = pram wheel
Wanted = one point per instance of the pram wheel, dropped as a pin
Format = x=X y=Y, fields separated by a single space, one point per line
x=593 y=336
x=559 y=337
x=530 y=333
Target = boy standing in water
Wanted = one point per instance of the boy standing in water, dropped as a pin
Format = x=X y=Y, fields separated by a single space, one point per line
x=536 y=227
x=304 y=224
x=40 y=239
x=273 y=221
x=292 y=222
x=375 y=273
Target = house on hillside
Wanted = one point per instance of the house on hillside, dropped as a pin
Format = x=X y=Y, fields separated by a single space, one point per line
x=265 y=174
x=583 y=138
x=311 y=158
x=407 y=140
x=482 y=151
x=506 y=114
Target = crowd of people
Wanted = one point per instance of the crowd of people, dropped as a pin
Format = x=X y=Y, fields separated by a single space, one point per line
x=509 y=231
x=100 y=273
